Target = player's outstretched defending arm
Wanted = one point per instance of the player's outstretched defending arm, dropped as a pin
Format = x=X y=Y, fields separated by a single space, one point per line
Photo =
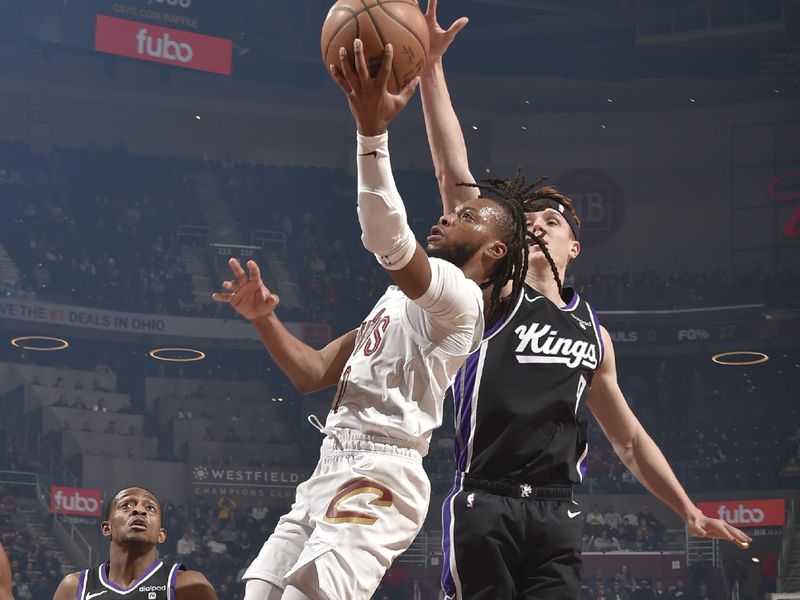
x=640 y=454
x=308 y=369
x=445 y=137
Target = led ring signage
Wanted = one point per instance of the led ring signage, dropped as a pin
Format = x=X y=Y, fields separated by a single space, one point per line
x=163 y=354
x=24 y=343
x=750 y=357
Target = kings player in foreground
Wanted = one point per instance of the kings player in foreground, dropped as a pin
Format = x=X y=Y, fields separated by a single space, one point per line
x=133 y=570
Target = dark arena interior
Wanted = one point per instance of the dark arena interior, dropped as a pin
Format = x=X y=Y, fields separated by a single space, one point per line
x=145 y=143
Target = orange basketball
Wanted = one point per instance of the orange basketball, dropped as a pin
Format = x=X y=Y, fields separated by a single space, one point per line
x=377 y=23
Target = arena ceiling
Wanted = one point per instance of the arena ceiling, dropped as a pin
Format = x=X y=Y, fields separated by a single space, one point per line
x=613 y=41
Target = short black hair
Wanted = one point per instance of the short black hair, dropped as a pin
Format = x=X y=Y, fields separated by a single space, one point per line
x=130 y=487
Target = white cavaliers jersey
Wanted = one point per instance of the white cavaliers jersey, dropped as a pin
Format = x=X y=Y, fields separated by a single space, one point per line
x=405 y=358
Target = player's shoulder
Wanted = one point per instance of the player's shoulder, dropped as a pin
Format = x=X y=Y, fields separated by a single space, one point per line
x=68 y=588
x=454 y=276
x=193 y=585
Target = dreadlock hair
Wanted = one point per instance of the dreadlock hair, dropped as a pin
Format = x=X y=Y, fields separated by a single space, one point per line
x=519 y=193
x=514 y=264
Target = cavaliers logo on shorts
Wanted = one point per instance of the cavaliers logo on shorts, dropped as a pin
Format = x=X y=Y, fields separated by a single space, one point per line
x=353 y=488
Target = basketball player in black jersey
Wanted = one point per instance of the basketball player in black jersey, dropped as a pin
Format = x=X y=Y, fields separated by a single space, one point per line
x=5 y=576
x=510 y=524
x=134 y=571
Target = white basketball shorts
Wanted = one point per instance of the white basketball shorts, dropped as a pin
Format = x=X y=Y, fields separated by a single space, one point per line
x=361 y=508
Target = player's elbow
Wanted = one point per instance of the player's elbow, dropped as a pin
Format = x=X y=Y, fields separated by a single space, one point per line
x=306 y=387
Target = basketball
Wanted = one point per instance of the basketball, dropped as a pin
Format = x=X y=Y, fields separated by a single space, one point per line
x=377 y=23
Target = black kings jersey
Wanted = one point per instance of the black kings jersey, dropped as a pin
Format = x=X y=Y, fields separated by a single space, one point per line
x=520 y=400
x=157 y=583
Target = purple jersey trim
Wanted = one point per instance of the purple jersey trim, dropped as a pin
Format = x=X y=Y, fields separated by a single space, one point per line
x=598 y=333
x=173 y=576
x=82 y=584
x=463 y=396
x=573 y=301
x=448 y=580
x=110 y=584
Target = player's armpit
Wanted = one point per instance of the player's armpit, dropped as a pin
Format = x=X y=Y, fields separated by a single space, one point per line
x=68 y=588
x=193 y=585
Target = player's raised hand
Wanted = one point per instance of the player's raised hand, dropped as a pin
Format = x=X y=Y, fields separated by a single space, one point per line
x=441 y=38
x=703 y=526
x=247 y=293
x=371 y=103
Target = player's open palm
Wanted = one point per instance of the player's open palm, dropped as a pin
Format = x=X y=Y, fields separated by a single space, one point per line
x=703 y=526
x=372 y=104
x=440 y=37
x=247 y=293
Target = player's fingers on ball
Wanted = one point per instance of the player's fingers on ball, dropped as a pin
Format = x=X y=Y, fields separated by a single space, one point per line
x=360 y=61
x=386 y=66
x=347 y=70
x=409 y=89
x=338 y=77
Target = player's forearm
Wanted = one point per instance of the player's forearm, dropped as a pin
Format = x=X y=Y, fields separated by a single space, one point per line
x=445 y=138
x=302 y=364
x=647 y=463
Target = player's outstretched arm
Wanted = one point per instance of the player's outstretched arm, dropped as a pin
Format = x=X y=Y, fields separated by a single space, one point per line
x=384 y=226
x=640 y=454
x=5 y=576
x=68 y=588
x=308 y=369
x=445 y=137
x=193 y=585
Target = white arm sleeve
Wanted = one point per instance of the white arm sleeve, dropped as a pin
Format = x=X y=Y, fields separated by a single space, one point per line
x=450 y=313
x=384 y=225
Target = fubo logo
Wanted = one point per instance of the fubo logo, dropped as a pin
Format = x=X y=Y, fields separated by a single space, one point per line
x=741 y=515
x=153 y=43
x=747 y=513
x=163 y=47
x=76 y=501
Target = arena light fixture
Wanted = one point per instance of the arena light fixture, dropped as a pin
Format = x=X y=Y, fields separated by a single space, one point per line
x=746 y=358
x=51 y=343
x=177 y=354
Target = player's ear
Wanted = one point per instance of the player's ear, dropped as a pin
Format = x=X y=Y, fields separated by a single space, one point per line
x=574 y=249
x=105 y=529
x=496 y=250
x=162 y=535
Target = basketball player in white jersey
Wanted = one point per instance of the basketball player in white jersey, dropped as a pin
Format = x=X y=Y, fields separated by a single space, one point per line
x=368 y=496
x=477 y=568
